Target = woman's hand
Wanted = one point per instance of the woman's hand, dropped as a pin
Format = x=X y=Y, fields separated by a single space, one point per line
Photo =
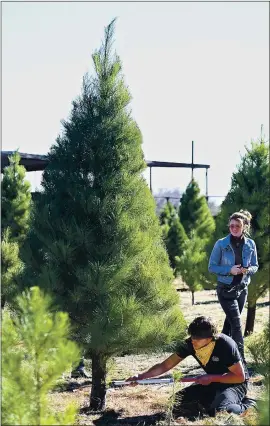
x=236 y=270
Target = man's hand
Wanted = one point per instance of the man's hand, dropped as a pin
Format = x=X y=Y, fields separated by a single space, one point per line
x=134 y=379
x=205 y=379
x=236 y=270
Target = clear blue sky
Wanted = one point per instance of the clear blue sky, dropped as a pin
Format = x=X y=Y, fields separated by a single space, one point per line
x=196 y=71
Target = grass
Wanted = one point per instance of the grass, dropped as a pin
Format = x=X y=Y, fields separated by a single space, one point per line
x=141 y=405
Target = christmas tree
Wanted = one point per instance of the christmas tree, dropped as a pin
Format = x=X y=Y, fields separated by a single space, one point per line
x=96 y=242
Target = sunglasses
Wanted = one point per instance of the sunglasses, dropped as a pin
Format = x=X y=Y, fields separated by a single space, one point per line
x=235 y=226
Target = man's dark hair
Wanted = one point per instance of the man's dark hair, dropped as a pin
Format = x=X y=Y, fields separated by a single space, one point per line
x=202 y=328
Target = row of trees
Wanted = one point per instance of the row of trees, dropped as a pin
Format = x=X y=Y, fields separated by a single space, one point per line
x=186 y=233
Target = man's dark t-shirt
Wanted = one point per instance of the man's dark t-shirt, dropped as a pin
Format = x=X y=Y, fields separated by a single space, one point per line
x=224 y=355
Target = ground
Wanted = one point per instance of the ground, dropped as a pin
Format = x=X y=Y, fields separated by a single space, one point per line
x=140 y=405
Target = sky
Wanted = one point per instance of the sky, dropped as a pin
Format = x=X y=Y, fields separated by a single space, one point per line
x=196 y=71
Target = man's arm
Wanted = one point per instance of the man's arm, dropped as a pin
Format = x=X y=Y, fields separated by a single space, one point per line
x=158 y=369
x=236 y=375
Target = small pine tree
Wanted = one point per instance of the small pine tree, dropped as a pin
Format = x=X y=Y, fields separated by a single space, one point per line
x=36 y=351
x=96 y=240
x=16 y=199
x=167 y=214
x=175 y=241
x=11 y=266
x=189 y=264
x=258 y=345
x=195 y=214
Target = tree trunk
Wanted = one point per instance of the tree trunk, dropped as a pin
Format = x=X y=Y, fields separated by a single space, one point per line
x=3 y=301
x=251 y=312
x=192 y=297
x=98 y=391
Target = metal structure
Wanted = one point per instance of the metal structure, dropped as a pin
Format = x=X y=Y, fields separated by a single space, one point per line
x=31 y=162
x=191 y=166
x=36 y=162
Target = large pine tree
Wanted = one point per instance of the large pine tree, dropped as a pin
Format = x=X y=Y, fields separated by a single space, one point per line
x=96 y=239
x=250 y=191
x=16 y=199
x=194 y=212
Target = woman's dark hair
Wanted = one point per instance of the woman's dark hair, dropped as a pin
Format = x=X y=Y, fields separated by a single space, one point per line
x=245 y=217
x=202 y=328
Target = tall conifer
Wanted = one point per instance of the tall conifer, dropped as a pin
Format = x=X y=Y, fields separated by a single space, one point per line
x=96 y=236
x=250 y=191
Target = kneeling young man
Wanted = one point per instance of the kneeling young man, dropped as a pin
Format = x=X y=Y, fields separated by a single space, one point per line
x=222 y=388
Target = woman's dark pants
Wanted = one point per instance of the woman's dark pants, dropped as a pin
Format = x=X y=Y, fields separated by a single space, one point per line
x=196 y=400
x=233 y=309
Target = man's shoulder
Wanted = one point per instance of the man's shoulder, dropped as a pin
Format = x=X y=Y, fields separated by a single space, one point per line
x=226 y=341
x=184 y=347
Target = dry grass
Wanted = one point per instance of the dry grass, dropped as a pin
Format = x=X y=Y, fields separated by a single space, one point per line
x=139 y=405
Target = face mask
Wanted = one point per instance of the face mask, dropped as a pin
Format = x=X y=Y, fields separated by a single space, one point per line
x=204 y=353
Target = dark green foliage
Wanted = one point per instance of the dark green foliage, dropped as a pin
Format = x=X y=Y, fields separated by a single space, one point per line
x=96 y=242
x=16 y=199
x=173 y=232
x=175 y=240
x=35 y=352
x=167 y=214
x=194 y=212
x=250 y=191
x=11 y=266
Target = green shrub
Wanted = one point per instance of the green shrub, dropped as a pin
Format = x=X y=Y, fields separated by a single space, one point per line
x=36 y=351
x=258 y=346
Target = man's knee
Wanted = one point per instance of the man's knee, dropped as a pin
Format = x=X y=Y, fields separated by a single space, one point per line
x=223 y=403
x=220 y=403
x=229 y=408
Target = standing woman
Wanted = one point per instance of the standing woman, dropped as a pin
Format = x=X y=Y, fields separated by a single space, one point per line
x=234 y=260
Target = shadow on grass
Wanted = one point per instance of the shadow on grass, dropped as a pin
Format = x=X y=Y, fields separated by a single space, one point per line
x=207 y=302
x=71 y=386
x=111 y=418
x=262 y=304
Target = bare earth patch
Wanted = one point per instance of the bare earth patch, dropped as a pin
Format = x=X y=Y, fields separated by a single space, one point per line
x=150 y=405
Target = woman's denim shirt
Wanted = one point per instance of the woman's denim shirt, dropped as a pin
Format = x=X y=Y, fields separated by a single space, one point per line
x=223 y=258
